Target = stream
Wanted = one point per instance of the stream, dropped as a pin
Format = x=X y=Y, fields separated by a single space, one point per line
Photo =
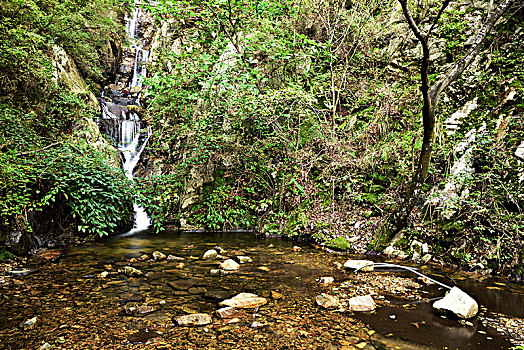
x=81 y=300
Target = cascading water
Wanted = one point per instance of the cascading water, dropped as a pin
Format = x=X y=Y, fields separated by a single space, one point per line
x=129 y=134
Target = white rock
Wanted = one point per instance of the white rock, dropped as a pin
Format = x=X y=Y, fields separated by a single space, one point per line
x=457 y=302
x=327 y=301
x=194 y=320
x=244 y=301
x=244 y=259
x=210 y=254
x=326 y=280
x=356 y=264
x=229 y=265
x=361 y=303
x=158 y=255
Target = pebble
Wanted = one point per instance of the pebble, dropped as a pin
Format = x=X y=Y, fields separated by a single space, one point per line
x=30 y=323
x=172 y=257
x=45 y=346
x=256 y=324
x=244 y=259
x=326 y=280
x=327 y=301
x=210 y=254
x=229 y=265
x=158 y=255
x=244 y=301
x=130 y=271
x=194 y=320
x=297 y=248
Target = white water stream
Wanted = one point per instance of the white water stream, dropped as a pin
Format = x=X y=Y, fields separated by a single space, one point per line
x=128 y=132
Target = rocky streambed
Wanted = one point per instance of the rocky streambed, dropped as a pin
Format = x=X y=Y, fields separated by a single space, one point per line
x=232 y=290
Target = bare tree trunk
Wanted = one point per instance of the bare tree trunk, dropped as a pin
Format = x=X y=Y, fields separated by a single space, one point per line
x=399 y=218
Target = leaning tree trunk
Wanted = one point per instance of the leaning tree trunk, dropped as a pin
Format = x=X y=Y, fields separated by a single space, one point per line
x=399 y=218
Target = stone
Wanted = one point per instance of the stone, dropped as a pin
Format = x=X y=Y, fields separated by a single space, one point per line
x=229 y=312
x=184 y=284
x=217 y=294
x=229 y=265
x=134 y=309
x=297 y=248
x=361 y=303
x=276 y=295
x=326 y=280
x=214 y=272
x=327 y=301
x=103 y=274
x=143 y=257
x=244 y=259
x=45 y=346
x=197 y=290
x=426 y=258
x=30 y=323
x=158 y=255
x=194 y=320
x=210 y=254
x=20 y=272
x=130 y=271
x=244 y=301
x=172 y=257
x=356 y=264
x=256 y=324
x=457 y=302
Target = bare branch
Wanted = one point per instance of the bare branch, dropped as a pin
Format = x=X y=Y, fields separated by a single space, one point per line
x=439 y=14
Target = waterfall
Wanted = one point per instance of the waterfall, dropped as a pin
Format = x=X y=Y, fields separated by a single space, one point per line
x=129 y=134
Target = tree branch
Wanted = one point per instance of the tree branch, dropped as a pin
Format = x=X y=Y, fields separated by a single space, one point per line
x=461 y=65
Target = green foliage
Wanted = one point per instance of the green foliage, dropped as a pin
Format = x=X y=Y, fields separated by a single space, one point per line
x=339 y=243
x=31 y=29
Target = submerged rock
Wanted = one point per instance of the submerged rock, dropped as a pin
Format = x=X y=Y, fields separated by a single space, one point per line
x=244 y=259
x=229 y=312
x=158 y=255
x=30 y=323
x=327 y=301
x=457 y=302
x=130 y=271
x=210 y=254
x=361 y=303
x=244 y=301
x=229 y=265
x=194 y=320
x=358 y=264
x=172 y=257
x=134 y=309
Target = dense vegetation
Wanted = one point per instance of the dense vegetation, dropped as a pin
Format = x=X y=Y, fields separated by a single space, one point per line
x=295 y=118
x=303 y=119
x=51 y=180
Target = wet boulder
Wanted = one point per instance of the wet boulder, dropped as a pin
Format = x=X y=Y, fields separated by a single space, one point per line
x=458 y=303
